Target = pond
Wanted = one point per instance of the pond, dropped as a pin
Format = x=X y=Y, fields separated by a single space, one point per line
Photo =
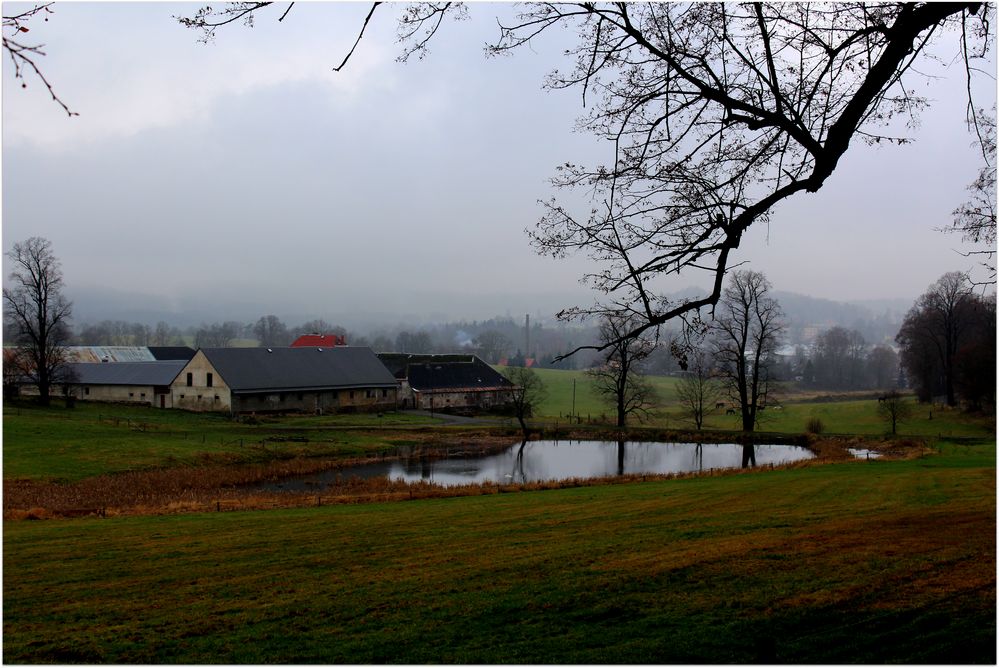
x=535 y=461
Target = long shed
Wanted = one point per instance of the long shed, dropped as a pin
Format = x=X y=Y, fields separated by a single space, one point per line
x=130 y=382
x=314 y=380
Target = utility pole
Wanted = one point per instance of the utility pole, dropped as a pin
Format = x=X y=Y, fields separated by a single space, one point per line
x=573 y=397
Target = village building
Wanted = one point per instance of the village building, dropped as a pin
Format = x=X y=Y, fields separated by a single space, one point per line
x=312 y=380
x=456 y=383
x=119 y=382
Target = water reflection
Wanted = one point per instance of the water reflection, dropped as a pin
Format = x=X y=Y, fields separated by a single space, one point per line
x=557 y=460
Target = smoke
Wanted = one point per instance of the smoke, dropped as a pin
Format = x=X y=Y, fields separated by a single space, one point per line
x=462 y=339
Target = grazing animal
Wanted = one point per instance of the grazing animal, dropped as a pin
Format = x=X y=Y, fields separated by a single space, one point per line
x=882 y=398
x=730 y=411
x=720 y=404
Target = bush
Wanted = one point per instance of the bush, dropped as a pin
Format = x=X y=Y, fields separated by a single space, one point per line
x=814 y=426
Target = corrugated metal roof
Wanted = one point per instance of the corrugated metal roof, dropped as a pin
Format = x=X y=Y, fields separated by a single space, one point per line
x=263 y=369
x=109 y=353
x=127 y=373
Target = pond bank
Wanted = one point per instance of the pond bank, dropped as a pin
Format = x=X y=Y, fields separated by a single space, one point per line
x=218 y=487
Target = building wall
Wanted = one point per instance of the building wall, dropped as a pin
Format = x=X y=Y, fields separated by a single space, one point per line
x=198 y=396
x=329 y=401
x=462 y=399
x=135 y=394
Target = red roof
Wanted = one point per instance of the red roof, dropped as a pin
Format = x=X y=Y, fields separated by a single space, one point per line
x=319 y=341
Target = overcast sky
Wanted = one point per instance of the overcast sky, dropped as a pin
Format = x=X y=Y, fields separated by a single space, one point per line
x=246 y=177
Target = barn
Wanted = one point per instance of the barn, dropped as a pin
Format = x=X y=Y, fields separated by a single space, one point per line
x=125 y=382
x=311 y=380
x=459 y=383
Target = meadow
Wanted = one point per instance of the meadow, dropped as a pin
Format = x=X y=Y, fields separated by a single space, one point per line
x=855 y=561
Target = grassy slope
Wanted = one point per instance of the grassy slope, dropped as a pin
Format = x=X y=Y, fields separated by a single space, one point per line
x=100 y=438
x=854 y=562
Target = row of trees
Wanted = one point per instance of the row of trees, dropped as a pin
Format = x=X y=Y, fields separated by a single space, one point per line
x=948 y=344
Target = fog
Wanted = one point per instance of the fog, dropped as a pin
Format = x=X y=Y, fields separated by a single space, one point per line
x=245 y=177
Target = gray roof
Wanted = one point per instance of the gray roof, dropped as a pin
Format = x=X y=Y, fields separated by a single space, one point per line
x=288 y=369
x=126 y=373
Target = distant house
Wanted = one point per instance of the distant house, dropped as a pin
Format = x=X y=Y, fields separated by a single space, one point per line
x=447 y=382
x=312 y=379
x=319 y=341
x=125 y=382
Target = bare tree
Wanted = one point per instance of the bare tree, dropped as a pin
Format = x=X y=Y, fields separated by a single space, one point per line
x=975 y=220
x=745 y=334
x=217 y=335
x=894 y=409
x=716 y=113
x=492 y=345
x=528 y=392
x=698 y=389
x=37 y=313
x=24 y=55
x=619 y=381
x=935 y=328
x=270 y=331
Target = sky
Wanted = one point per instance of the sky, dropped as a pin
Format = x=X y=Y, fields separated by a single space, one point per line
x=244 y=177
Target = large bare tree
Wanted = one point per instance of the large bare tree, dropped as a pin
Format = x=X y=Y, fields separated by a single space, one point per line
x=745 y=334
x=716 y=113
x=37 y=313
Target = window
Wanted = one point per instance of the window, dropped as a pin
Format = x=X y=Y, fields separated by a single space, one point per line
x=86 y=390
x=190 y=379
x=208 y=380
x=142 y=395
x=199 y=397
x=369 y=394
x=384 y=393
x=182 y=396
x=352 y=394
x=131 y=394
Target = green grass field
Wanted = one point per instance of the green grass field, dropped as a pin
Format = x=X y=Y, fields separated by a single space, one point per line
x=838 y=417
x=93 y=438
x=854 y=562
x=860 y=562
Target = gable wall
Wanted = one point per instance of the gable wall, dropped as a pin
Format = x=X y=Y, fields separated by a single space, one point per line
x=198 y=396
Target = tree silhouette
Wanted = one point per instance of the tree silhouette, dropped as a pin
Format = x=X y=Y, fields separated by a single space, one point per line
x=716 y=113
x=38 y=314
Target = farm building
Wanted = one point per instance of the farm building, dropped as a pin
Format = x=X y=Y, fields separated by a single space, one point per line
x=313 y=380
x=447 y=382
x=127 y=382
